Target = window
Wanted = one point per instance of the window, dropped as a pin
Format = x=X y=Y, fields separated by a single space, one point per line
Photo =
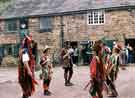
x=11 y=25
x=46 y=24
x=23 y=23
x=96 y=17
x=9 y=49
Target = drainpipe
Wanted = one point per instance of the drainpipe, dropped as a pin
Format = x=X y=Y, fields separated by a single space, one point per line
x=61 y=32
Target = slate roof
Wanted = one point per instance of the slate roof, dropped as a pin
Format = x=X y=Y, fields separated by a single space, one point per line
x=45 y=7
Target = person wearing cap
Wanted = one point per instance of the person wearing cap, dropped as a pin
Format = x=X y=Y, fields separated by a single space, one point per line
x=113 y=70
x=46 y=65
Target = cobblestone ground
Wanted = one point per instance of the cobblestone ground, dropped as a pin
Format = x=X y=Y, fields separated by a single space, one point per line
x=9 y=88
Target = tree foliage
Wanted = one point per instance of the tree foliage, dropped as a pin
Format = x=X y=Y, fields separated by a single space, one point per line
x=4 y=0
x=4 y=4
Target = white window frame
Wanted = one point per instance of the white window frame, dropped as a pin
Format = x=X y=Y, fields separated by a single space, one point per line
x=99 y=13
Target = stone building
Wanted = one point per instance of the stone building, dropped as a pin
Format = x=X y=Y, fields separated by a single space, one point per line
x=53 y=22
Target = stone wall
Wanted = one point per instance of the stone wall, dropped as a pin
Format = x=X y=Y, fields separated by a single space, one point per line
x=45 y=38
x=1 y=26
x=75 y=29
x=8 y=38
x=119 y=24
x=51 y=39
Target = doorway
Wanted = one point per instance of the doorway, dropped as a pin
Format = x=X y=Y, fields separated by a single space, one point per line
x=130 y=42
x=71 y=43
x=131 y=51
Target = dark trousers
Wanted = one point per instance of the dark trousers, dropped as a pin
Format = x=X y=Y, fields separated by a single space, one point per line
x=47 y=81
x=46 y=84
x=75 y=60
x=96 y=89
x=111 y=85
x=68 y=72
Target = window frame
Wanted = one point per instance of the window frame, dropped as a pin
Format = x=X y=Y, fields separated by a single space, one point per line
x=24 y=21
x=92 y=14
x=11 y=22
x=48 y=28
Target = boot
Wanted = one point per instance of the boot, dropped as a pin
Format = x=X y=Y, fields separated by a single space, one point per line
x=47 y=93
x=68 y=83
x=24 y=96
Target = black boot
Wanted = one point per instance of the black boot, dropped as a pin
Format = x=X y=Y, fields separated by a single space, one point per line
x=47 y=93
x=69 y=83
x=24 y=96
x=66 y=83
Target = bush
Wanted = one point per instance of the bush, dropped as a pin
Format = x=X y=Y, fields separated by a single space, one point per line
x=9 y=61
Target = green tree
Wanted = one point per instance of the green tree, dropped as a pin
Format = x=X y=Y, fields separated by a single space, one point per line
x=4 y=4
x=4 y=0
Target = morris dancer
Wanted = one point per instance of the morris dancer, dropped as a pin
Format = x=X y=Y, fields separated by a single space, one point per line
x=97 y=72
x=26 y=69
x=46 y=65
x=67 y=65
x=113 y=70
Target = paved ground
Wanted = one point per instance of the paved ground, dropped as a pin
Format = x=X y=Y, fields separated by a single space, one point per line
x=9 y=87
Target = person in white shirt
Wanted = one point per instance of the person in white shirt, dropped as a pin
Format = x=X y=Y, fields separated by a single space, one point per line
x=76 y=55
